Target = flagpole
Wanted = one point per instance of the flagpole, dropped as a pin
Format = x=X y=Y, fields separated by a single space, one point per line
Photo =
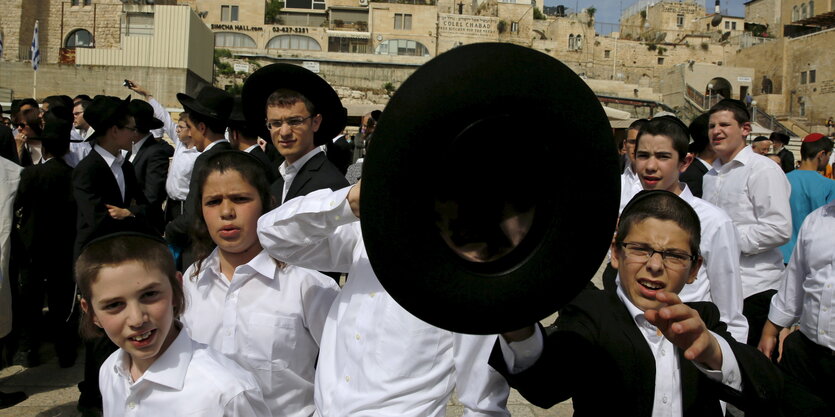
x=35 y=86
x=36 y=60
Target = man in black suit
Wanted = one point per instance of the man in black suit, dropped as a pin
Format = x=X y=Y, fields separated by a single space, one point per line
x=149 y=157
x=8 y=148
x=780 y=141
x=638 y=349
x=340 y=153
x=302 y=113
x=109 y=200
x=244 y=137
x=703 y=156
x=47 y=229
x=208 y=114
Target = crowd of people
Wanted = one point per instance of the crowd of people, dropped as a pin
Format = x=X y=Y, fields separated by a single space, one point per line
x=225 y=272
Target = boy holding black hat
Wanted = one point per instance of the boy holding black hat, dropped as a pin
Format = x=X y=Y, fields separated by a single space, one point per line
x=649 y=352
x=754 y=192
x=301 y=112
x=208 y=114
x=149 y=157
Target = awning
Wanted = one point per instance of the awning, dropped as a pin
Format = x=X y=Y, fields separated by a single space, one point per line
x=615 y=114
x=348 y=34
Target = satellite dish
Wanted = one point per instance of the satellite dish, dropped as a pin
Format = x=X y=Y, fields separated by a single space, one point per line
x=717 y=19
x=724 y=36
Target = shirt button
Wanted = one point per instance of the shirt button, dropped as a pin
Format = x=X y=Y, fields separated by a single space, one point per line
x=337 y=218
x=347 y=379
x=663 y=352
x=332 y=203
x=664 y=400
x=132 y=405
x=357 y=336
x=373 y=294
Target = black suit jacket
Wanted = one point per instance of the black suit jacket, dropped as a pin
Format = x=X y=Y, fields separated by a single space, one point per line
x=786 y=160
x=341 y=153
x=47 y=213
x=177 y=231
x=692 y=176
x=94 y=186
x=318 y=173
x=8 y=147
x=598 y=357
x=269 y=167
x=151 y=167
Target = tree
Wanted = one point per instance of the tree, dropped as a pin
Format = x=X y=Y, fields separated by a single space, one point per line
x=271 y=13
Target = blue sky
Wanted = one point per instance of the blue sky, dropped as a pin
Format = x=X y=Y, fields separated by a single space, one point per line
x=608 y=11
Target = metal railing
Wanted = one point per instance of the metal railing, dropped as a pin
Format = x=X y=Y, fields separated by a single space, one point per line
x=702 y=101
x=770 y=122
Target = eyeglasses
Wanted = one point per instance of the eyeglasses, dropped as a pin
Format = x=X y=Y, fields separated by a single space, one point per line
x=293 y=122
x=641 y=253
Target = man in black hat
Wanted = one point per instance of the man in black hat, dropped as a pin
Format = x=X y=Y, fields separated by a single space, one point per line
x=244 y=137
x=780 y=141
x=703 y=156
x=47 y=215
x=106 y=190
x=80 y=144
x=149 y=156
x=302 y=112
x=208 y=115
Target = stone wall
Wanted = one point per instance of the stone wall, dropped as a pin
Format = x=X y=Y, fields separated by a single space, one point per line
x=102 y=19
x=764 y=12
x=424 y=19
x=805 y=54
x=663 y=17
x=767 y=59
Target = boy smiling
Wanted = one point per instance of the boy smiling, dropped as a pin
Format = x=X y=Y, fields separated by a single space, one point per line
x=649 y=352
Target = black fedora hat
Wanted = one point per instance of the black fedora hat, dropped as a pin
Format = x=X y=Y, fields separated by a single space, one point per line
x=237 y=116
x=262 y=83
x=143 y=114
x=104 y=112
x=504 y=225
x=211 y=102
x=55 y=128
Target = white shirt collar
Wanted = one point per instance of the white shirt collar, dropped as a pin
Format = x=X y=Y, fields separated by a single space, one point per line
x=138 y=144
x=262 y=263
x=251 y=148
x=209 y=146
x=286 y=168
x=169 y=369
x=109 y=158
x=743 y=157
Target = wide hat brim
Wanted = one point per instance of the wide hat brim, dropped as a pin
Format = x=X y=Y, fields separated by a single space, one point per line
x=103 y=112
x=263 y=82
x=476 y=116
x=195 y=105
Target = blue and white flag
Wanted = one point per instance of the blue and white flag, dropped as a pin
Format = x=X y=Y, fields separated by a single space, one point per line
x=36 y=49
x=1 y=45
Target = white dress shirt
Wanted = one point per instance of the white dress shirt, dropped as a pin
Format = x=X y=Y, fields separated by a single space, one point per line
x=754 y=192
x=718 y=280
x=808 y=291
x=267 y=319
x=115 y=164
x=134 y=149
x=79 y=147
x=182 y=163
x=521 y=355
x=288 y=171
x=377 y=359
x=188 y=379
x=630 y=185
x=9 y=180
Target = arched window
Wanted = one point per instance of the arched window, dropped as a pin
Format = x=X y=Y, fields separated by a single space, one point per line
x=803 y=11
x=811 y=8
x=795 y=14
x=294 y=42
x=571 y=42
x=578 y=42
x=233 y=40
x=79 y=38
x=401 y=47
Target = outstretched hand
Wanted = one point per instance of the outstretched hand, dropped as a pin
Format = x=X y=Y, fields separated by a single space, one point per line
x=138 y=88
x=683 y=326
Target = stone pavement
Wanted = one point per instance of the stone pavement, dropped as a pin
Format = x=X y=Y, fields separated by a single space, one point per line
x=53 y=393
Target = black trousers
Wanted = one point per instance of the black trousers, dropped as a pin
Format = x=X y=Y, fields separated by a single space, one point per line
x=173 y=209
x=810 y=377
x=755 y=309
x=96 y=351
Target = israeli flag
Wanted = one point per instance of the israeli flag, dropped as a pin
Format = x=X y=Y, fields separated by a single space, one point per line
x=1 y=45
x=36 y=49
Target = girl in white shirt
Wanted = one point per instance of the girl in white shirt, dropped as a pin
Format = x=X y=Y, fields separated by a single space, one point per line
x=265 y=315
x=131 y=291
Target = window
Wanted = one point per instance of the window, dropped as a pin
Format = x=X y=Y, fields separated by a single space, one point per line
x=233 y=40
x=578 y=42
x=402 y=21
x=803 y=11
x=812 y=75
x=571 y=42
x=305 y=4
x=680 y=20
x=733 y=25
x=514 y=27
x=795 y=14
x=228 y=13
x=660 y=60
x=294 y=42
x=349 y=45
x=803 y=77
x=79 y=38
x=139 y=24
x=401 y=47
x=79 y=2
x=802 y=106
x=607 y=53
x=811 y=8
x=727 y=24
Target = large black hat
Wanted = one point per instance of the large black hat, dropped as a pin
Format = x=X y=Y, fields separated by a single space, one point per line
x=211 y=102
x=266 y=80
x=143 y=114
x=513 y=211
x=55 y=128
x=104 y=112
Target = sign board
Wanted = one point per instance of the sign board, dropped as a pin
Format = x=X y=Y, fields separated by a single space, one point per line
x=464 y=25
x=744 y=79
x=241 y=67
x=312 y=66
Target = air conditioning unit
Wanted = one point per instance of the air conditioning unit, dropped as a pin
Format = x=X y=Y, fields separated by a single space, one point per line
x=363 y=2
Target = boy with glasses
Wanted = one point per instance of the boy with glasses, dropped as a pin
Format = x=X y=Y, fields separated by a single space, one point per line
x=649 y=352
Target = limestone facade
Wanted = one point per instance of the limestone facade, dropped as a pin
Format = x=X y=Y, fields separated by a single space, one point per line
x=674 y=19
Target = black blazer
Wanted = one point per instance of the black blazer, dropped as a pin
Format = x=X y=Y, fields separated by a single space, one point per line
x=94 y=186
x=177 y=231
x=47 y=213
x=8 y=147
x=598 y=357
x=318 y=173
x=341 y=153
x=786 y=160
x=692 y=176
x=151 y=167
x=269 y=167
